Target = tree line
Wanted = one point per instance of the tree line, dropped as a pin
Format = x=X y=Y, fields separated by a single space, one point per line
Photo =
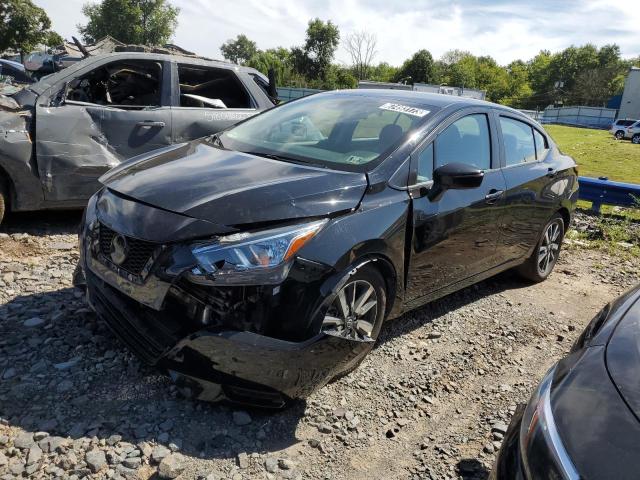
x=578 y=75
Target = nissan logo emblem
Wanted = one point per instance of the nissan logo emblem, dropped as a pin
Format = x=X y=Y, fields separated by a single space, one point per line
x=119 y=249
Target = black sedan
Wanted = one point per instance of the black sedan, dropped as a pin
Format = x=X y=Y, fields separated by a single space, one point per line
x=582 y=421
x=258 y=264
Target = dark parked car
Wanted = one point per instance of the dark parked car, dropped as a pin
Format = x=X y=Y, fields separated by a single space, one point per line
x=259 y=263
x=13 y=72
x=582 y=421
x=57 y=136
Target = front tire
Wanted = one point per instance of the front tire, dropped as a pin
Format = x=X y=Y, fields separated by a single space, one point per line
x=357 y=311
x=636 y=139
x=4 y=199
x=544 y=257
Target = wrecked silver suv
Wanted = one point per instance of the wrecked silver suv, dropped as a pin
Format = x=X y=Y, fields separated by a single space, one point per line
x=57 y=136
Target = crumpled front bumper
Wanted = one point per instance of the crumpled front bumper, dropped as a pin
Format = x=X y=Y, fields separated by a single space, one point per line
x=215 y=364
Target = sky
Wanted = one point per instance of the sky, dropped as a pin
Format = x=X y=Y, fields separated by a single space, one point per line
x=506 y=30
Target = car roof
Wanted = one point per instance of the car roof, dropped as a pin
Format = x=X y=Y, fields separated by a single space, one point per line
x=423 y=98
x=16 y=65
x=49 y=80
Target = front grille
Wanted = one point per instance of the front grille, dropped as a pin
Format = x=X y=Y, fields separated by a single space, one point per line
x=147 y=333
x=138 y=254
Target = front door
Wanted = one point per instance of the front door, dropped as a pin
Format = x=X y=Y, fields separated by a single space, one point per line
x=455 y=236
x=108 y=115
x=207 y=100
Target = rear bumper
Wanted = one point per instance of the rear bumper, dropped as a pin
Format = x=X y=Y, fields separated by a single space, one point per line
x=220 y=364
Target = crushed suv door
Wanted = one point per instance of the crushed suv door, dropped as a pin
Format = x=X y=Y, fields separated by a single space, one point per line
x=106 y=115
x=455 y=235
x=207 y=100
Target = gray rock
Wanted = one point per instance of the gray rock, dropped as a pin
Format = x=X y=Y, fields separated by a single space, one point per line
x=9 y=373
x=499 y=427
x=159 y=452
x=243 y=460
x=96 y=460
x=271 y=465
x=68 y=364
x=171 y=466
x=34 y=455
x=24 y=441
x=241 y=418
x=34 y=322
x=132 y=462
x=3 y=460
x=286 y=464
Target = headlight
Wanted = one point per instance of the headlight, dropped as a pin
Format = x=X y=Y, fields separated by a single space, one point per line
x=543 y=452
x=258 y=258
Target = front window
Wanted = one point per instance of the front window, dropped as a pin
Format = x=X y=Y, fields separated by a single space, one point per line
x=345 y=132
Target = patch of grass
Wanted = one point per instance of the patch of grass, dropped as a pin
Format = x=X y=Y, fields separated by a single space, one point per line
x=632 y=213
x=619 y=237
x=598 y=153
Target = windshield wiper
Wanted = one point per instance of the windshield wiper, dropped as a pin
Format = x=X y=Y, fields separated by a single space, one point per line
x=282 y=158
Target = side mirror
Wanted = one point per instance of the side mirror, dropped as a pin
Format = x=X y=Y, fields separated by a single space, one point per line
x=455 y=176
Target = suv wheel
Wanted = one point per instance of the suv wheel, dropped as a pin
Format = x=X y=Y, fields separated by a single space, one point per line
x=636 y=138
x=619 y=135
x=540 y=265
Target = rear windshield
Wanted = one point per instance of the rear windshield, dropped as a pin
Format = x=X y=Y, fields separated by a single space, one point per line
x=625 y=123
x=344 y=132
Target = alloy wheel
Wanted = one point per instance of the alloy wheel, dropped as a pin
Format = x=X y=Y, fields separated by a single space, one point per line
x=353 y=313
x=636 y=139
x=619 y=135
x=549 y=248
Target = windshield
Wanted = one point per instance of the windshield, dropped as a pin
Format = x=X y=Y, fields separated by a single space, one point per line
x=336 y=131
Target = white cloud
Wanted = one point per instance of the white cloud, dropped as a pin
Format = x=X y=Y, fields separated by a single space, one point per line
x=506 y=30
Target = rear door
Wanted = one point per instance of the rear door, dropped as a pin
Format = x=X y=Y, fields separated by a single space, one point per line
x=529 y=172
x=455 y=236
x=206 y=100
x=110 y=113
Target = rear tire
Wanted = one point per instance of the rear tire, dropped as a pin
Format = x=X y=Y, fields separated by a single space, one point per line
x=636 y=139
x=4 y=199
x=619 y=135
x=544 y=257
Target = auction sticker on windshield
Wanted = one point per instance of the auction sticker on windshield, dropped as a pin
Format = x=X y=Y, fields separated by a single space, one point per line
x=396 y=107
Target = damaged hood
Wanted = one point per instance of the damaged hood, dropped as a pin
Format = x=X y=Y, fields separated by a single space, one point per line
x=234 y=188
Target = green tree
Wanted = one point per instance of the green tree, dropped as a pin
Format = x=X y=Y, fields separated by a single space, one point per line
x=418 y=69
x=239 y=50
x=52 y=39
x=23 y=26
x=278 y=59
x=383 y=72
x=314 y=58
x=145 y=22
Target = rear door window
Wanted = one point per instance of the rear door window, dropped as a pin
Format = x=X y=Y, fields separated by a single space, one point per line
x=208 y=87
x=519 y=146
x=467 y=141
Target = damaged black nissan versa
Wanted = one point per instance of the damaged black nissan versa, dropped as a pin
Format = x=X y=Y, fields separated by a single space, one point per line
x=257 y=264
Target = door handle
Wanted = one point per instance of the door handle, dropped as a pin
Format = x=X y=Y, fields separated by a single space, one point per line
x=493 y=196
x=551 y=172
x=149 y=124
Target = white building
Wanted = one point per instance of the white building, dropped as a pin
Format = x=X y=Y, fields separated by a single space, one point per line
x=630 y=103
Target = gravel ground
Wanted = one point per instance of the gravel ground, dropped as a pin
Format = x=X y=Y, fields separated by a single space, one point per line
x=432 y=400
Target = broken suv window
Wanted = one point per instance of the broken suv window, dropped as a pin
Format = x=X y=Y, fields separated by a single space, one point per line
x=206 y=87
x=124 y=84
